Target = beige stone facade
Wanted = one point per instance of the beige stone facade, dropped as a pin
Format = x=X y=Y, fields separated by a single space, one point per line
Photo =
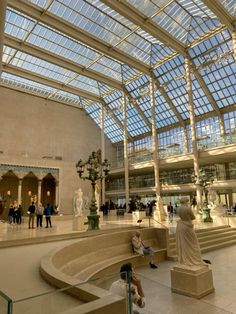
x=42 y=133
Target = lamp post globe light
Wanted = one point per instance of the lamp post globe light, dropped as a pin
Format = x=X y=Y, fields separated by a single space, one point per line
x=93 y=169
x=204 y=180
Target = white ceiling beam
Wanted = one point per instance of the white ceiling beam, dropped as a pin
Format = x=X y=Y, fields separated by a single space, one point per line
x=70 y=89
x=3 y=7
x=76 y=33
x=206 y=91
x=220 y=11
x=50 y=82
x=138 y=18
x=111 y=113
x=60 y=61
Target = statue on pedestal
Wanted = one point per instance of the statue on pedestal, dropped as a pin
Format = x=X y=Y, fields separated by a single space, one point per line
x=188 y=249
x=78 y=203
x=78 y=215
x=158 y=212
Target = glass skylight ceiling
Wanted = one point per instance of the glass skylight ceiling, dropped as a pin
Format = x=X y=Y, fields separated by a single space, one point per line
x=113 y=53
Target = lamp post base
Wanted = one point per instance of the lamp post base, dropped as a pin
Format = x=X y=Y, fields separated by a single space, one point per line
x=206 y=213
x=93 y=222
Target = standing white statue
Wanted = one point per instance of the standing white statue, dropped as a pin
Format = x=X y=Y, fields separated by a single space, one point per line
x=78 y=203
x=78 y=215
x=188 y=249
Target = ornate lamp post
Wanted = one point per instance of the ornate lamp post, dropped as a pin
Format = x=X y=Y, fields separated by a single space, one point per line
x=95 y=170
x=204 y=180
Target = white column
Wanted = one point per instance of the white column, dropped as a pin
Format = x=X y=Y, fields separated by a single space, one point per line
x=185 y=140
x=103 y=151
x=126 y=161
x=3 y=7
x=159 y=212
x=39 y=190
x=19 y=199
x=193 y=129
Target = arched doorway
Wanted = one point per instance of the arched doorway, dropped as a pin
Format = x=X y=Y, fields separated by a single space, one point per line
x=29 y=190
x=8 y=192
x=48 y=190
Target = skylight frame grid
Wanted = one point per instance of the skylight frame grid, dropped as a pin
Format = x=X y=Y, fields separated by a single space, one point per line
x=223 y=97
x=85 y=83
x=135 y=85
x=66 y=97
x=112 y=97
x=113 y=32
x=230 y=6
x=135 y=124
x=41 y=67
x=12 y=28
x=178 y=94
x=200 y=100
x=148 y=7
x=108 y=67
x=175 y=135
x=112 y=130
x=164 y=114
x=210 y=127
x=96 y=117
x=230 y=121
x=93 y=107
x=7 y=54
x=27 y=85
x=62 y=45
x=58 y=43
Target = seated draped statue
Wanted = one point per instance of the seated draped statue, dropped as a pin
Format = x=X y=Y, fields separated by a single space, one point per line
x=78 y=203
x=188 y=249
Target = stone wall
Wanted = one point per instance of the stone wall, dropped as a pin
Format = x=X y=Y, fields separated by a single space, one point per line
x=39 y=132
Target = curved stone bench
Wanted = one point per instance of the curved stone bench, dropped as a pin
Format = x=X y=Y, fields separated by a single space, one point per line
x=95 y=257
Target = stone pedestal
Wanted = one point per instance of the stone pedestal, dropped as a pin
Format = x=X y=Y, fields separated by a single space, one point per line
x=195 y=281
x=78 y=223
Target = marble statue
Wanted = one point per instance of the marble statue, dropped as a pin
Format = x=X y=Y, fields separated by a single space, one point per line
x=78 y=212
x=188 y=250
x=78 y=203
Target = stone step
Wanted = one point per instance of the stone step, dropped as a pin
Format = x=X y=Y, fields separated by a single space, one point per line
x=209 y=239
x=204 y=237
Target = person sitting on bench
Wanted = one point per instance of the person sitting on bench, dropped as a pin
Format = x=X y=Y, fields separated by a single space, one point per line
x=140 y=248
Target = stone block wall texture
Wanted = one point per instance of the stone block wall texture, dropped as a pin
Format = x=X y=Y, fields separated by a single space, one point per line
x=33 y=127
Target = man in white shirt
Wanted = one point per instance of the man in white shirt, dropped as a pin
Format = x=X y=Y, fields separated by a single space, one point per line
x=122 y=288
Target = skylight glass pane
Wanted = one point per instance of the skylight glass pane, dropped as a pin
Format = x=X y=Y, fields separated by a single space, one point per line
x=98 y=23
x=8 y=53
x=41 y=67
x=214 y=59
x=38 y=89
x=230 y=6
x=86 y=83
x=18 y=25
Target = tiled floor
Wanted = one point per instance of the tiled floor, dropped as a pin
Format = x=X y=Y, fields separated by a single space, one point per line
x=20 y=278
